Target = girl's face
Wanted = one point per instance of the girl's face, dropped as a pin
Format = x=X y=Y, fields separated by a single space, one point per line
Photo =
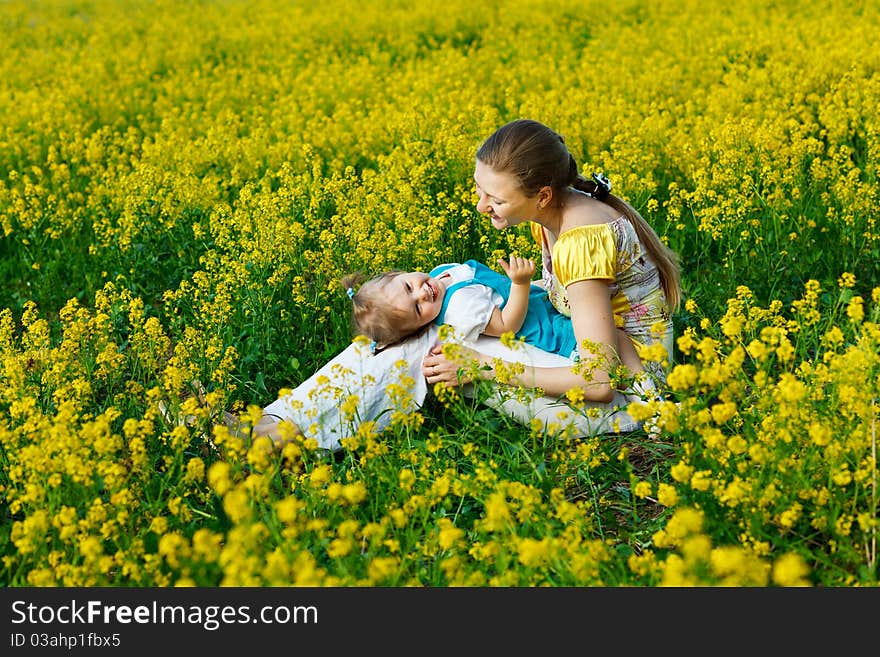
x=500 y=197
x=416 y=297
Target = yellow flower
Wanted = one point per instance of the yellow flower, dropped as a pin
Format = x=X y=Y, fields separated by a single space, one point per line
x=642 y=489
x=206 y=544
x=28 y=535
x=683 y=377
x=398 y=517
x=349 y=408
x=790 y=516
x=681 y=472
x=737 y=567
x=785 y=351
x=855 y=310
x=237 y=505
x=842 y=476
x=195 y=470
x=846 y=280
x=696 y=548
x=288 y=509
x=355 y=492
x=734 y=493
x=449 y=534
x=509 y=339
x=533 y=553
x=641 y=410
x=757 y=350
x=407 y=478
x=173 y=547
x=833 y=336
x=159 y=525
x=497 y=514
x=340 y=547
x=701 y=480
x=218 y=477
x=790 y=570
x=684 y=522
x=320 y=475
x=790 y=389
x=667 y=495
x=575 y=396
x=380 y=568
x=655 y=353
x=820 y=434
x=686 y=342
x=721 y=413
x=732 y=325
x=90 y=548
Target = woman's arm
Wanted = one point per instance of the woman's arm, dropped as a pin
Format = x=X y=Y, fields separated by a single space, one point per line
x=593 y=322
x=553 y=381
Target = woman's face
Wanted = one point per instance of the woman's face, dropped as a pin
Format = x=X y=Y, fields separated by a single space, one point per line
x=500 y=198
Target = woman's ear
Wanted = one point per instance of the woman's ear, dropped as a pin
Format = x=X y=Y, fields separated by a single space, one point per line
x=545 y=196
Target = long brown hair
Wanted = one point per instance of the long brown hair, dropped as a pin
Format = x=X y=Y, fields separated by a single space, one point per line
x=538 y=157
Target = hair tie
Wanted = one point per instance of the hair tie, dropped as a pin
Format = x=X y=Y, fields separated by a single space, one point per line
x=350 y=293
x=603 y=186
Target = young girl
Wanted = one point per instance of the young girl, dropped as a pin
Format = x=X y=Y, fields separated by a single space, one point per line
x=471 y=298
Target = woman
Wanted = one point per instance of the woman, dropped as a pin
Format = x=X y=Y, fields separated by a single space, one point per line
x=602 y=265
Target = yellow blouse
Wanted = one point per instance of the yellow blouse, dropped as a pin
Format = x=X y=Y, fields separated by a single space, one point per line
x=612 y=252
x=583 y=253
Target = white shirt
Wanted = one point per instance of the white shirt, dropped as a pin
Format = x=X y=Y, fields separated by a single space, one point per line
x=471 y=306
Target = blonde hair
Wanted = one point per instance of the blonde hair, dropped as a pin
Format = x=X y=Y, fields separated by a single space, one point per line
x=371 y=314
x=538 y=157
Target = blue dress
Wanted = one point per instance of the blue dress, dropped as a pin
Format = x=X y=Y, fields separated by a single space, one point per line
x=544 y=326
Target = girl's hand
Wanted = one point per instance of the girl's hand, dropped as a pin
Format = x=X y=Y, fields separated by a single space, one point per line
x=437 y=368
x=519 y=270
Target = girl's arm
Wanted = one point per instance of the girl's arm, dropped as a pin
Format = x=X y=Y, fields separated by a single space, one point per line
x=511 y=317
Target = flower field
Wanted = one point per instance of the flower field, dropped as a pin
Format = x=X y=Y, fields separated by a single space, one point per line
x=184 y=182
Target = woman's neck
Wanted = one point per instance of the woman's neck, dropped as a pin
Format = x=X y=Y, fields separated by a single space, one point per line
x=552 y=217
x=573 y=208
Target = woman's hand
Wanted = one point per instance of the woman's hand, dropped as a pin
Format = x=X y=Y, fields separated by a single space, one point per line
x=438 y=368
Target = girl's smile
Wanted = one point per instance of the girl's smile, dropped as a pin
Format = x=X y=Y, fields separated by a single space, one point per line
x=416 y=297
